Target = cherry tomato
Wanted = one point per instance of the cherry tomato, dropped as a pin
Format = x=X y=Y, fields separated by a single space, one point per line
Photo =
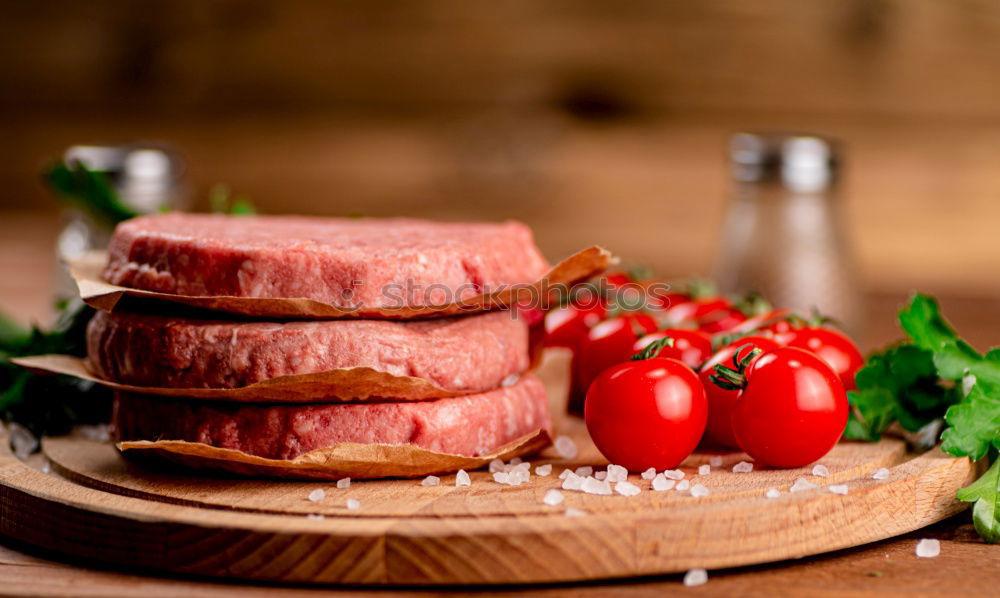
x=721 y=320
x=646 y=413
x=792 y=408
x=606 y=344
x=565 y=326
x=691 y=347
x=692 y=311
x=722 y=401
x=833 y=347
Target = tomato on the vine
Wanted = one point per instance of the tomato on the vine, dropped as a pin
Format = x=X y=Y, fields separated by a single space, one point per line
x=721 y=320
x=722 y=401
x=605 y=344
x=696 y=309
x=646 y=413
x=833 y=347
x=791 y=409
x=565 y=326
x=691 y=347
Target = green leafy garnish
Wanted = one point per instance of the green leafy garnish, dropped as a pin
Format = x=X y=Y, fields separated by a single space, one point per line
x=985 y=492
x=89 y=191
x=222 y=202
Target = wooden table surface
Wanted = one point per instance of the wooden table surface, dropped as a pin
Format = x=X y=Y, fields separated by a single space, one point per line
x=966 y=566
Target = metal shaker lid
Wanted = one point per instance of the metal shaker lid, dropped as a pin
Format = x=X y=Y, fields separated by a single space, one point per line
x=801 y=162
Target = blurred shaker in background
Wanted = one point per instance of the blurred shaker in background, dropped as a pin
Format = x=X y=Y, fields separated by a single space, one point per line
x=783 y=234
x=145 y=178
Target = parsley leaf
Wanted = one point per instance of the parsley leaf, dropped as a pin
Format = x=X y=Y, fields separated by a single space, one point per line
x=88 y=190
x=973 y=424
x=985 y=493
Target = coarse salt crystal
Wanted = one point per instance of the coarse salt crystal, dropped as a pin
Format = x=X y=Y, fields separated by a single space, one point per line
x=928 y=548
x=649 y=473
x=704 y=469
x=431 y=480
x=96 y=432
x=820 y=470
x=616 y=473
x=627 y=489
x=699 y=490
x=772 y=493
x=510 y=380
x=496 y=465
x=518 y=477
x=317 y=495
x=743 y=467
x=838 y=488
x=344 y=483
x=353 y=504
x=802 y=484
x=21 y=440
x=516 y=461
x=462 y=478
x=595 y=486
x=661 y=483
x=316 y=516
x=46 y=466
x=673 y=474
x=715 y=461
x=881 y=474
x=695 y=577
x=565 y=447
x=571 y=512
x=601 y=475
x=543 y=470
x=553 y=497
x=500 y=477
x=683 y=485
x=565 y=473
x=584 y=471
x=572 y=482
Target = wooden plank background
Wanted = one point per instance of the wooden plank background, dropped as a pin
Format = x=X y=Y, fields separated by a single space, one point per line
x=593 y=122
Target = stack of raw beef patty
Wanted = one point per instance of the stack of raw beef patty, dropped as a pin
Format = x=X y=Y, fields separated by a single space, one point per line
x=364 y=264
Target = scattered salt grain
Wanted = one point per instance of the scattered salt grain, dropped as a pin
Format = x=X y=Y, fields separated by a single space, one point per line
x=627 y=489
x=616 y=473
x=344 y=483
x=565 y=473
x=698 y=491
x=516 y=461
x=496 y=465
x=595 y=486
x=317 y=495
x=510 y=380
x=431 y=480
x=715 y=461
x=683 y=485
x=353 y=504
x=315 y=516
x=695 y=577
x=881 y=474
x=928 y=548
x=802 y=484
x=649 y=473
x=673 y=474
x=565 y=447
x=820 y=470
x=518 y=477
x=500 y=477
x=601 y=475
x=571 y=512
x=462 y=478
x=838 y=488
x=661 y=484
x=772 y=493
x=572 y=482
x=743 y=467
x=97 y=432
x=704 y=469
x=22 y=441
x=584 y=471
x=46 y=466
x=553 y=497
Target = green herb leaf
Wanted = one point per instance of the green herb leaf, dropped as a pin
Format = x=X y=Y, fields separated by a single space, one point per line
x=89 y=191
x=973 y=424
x=985 y=493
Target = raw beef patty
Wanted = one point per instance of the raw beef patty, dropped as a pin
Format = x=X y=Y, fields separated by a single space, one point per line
x=468 y=425
x=351 y=263
x=464 y=354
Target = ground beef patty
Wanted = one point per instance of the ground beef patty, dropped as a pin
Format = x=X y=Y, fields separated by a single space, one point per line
x=468 y=425
x=464 y=354
x=350 y=263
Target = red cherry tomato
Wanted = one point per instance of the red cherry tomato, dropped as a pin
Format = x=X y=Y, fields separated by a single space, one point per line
x=565 y=326
x=722 y=401
x=691 y=347
x=721 y=320
x=833 y=347
x=791 y=410
x=692 y=311
x=605 y=344
x=646 y=413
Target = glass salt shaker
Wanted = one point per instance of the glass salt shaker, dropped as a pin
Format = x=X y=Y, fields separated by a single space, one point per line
x=783 y=235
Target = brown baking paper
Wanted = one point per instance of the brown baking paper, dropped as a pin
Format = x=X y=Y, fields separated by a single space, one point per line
x=344 y=384
x=349 y=459
x=104 y=296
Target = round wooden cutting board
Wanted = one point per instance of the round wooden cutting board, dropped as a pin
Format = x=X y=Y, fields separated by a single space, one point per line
x=92 y=503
